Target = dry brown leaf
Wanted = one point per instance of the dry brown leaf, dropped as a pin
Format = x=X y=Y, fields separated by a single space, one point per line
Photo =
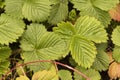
x=115 y=13
x=114 y=70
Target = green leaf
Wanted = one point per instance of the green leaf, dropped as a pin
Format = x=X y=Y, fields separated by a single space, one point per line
x=51 y=74
x=105 y=4
x=22 y=78
x=34 y=8
x=80 y=36
x=91 y=73
x=38 y=44
x=87 y=7
x=102 y=16
x=116 y=53
x=83 y=51
x=59 y=12
x=20 y=70
x=4 y=66
x=44 y=75
x=115 y=36
x=1 y=4
x=4 y=52
x=29 y=9
x=65 y=30
x=65 y=75
x=72 y=15
x=91 y=29
x=14 y=8
x=54 y=1
x=101 y=62
x=10 y=29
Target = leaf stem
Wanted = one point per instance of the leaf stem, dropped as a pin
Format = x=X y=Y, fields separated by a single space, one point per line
x=57 y=63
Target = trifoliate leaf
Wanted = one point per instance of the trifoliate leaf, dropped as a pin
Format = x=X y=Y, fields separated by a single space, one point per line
x=88 y=7
x=83 y=51
x=38 y=44
x=101 y=62
x=115 y=13
x=4 y=66
x=115 y=36
x=4 y=52
x=59 y=12
x=10 y=29
x=116 y=54
x=91 y=29
x=65 y=75
x=80 y=37
x=105 y=4
x=29 y=9
x=22 y=78
x=91 y=73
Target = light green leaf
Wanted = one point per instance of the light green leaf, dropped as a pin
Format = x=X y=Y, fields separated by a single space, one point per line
x=83 y=51
x=29 y=9
x=59 y=12
x=14 y=8
x=99 y=14
x=88 y=8
x=91 y=73
x=38 y=44
x=116 y=53
x=116 y=36
x=4 y=66
x=65 y=75
x=101 y=62
x=105 y=4
x=44 y=75
x=22 y=78
x=4 y=52
x=65 y=30
x=91 y=29
x=36 y=10
x=10 y=29
x=54 y=1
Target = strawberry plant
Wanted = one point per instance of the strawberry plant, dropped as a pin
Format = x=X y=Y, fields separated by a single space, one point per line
x=59 y=39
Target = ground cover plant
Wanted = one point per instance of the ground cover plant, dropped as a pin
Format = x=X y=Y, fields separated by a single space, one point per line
x=59 y=39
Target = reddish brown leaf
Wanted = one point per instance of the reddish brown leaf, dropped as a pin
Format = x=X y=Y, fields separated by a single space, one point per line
x=115 y=13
